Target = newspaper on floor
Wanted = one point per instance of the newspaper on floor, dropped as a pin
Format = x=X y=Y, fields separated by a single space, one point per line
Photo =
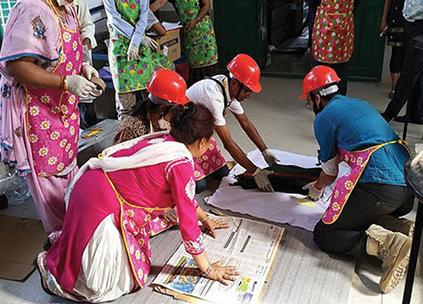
x=249 y=245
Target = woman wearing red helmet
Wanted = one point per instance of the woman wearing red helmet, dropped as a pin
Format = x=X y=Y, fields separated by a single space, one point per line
x=363 y=215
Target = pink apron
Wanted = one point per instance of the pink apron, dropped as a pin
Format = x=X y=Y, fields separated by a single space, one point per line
x=135 y=225
x=52 y=115
x=333 y=31
x=358 y=161
x=211 y=161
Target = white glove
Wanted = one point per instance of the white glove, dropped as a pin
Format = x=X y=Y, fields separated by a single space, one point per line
x=170 y=215
x=78 y=85
x=269 y=157
x=149 y=42
x=313 y=192
x=132 y=52
x=262 y=181
x=88 y=71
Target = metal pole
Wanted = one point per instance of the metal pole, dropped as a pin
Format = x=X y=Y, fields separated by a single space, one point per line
x=414 y=254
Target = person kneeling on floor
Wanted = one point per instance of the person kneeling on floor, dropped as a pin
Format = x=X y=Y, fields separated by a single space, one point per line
x=363 y=215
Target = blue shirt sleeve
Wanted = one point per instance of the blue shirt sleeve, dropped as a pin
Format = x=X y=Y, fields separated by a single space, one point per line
x=326 y=138
x=140 y=27
x=114 y=18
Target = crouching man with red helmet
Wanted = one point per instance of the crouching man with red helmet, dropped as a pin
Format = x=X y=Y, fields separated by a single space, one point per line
x=219 y=93
x=363 y=215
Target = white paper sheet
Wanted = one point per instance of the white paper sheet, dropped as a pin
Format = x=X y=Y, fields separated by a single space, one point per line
x=277 y=207
x=250 y=246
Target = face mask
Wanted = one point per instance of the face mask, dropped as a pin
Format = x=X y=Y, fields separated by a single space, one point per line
x=61 y=2
x=163 y=124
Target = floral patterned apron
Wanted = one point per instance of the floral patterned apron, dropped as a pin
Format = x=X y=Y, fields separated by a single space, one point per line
x=199 y=44
x=211 y=161
x=130 y=76
x=333 y=31
x=135 y=225
x=358 y=161
x=52 y=114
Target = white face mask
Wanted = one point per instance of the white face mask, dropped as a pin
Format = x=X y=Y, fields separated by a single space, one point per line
x=61 y=2
x=163 y=124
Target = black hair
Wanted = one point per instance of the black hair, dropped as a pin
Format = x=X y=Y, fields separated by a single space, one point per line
x=143 y=107
x=191 y=122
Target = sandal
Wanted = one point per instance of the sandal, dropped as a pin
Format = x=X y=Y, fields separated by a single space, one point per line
x=391 y=94
x=37 y=266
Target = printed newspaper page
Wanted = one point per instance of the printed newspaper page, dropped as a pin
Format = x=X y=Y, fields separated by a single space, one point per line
x=249 y=245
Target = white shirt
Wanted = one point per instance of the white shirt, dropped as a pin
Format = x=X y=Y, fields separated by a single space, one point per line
x=86 y=25
x=209 y=93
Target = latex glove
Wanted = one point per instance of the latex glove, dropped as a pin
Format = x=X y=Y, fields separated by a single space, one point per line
x=170 y=215
x=79 y=85
x=88 y=71
x=132 y=52
x=269 y=157
x=150 y=42
x=262 y=181
x=313 y=192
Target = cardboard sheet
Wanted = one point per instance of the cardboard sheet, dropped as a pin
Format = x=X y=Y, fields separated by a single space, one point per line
x=20 y=241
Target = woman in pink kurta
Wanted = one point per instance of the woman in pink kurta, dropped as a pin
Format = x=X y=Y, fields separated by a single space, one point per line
x=41 y=60
x=104 y=250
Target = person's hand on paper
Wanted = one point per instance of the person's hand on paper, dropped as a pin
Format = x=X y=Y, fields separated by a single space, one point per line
x=212 y=224
x=222 y=273
x=313 y=192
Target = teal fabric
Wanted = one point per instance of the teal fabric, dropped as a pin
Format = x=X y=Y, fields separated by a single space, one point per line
x=352 y=124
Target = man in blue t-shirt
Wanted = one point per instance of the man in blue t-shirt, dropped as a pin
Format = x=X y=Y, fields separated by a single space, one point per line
x=363 y=217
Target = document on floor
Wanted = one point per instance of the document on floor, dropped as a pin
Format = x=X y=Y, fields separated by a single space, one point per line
x=249 y=245
x=273 y=206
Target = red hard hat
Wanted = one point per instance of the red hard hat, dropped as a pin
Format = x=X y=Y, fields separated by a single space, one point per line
x=246 y=70
x=168 y=85
x=319 y=77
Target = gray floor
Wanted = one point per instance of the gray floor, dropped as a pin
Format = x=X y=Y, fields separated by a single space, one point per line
x=286 y=124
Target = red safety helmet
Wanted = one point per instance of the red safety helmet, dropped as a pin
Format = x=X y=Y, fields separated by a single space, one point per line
x=168 y=85
x=319 y=77
x=246 y=70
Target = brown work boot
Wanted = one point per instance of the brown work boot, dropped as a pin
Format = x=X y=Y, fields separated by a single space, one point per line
x=393 y=248
x=397 y=225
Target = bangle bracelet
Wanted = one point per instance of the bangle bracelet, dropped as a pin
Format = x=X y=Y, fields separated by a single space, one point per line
x=204 y=218
x=207 y=271
x=62 y=86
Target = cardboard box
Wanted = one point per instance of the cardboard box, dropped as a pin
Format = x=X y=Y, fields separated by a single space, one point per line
x=170 y=44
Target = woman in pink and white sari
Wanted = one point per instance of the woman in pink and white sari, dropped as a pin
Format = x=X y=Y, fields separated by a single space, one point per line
x=104 y=250
x=41 y=62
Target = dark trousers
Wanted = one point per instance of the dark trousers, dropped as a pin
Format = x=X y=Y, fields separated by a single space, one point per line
x=88 y=115
x=341 y=70
x=201 y=184
x=410 y=77
x=368 y=203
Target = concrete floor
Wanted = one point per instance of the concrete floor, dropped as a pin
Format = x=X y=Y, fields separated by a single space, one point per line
x=285 y=123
